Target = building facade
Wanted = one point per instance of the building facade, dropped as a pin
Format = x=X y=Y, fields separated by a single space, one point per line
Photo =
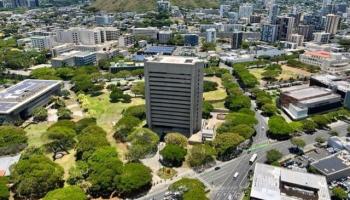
x=237 y=38
x=174 y=88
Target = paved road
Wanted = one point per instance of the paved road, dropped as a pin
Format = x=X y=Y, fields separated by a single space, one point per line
x=232 y=188
x=222 y=183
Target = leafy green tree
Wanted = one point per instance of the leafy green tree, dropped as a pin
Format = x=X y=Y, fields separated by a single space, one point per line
x=65 y=73
x=320 y=120
x=36 y=175
x=123 y=74
x=273 y=155
x=209 y=86
x=279 y=128
x=194 y=189
x=243 y=130
x=4 y=190
x=200 y=155
x=207 y=108
x=64 y=113
x=176 y=139
x=61 y=138
x=309 y=126
x=235 y=103
x=116 y=95
x=138 y=89
x=83 y=123
x=298 y=142
x=46 y=73
x=126 y=98
x=40 y=114
x=90 y=139
x=82 y=83
x=234 y=119
x=269 y=109
x=208 y=46
x=142 y=143
x=135 y=179
x=226 y=144
x=136 y=111
x=125 y=126
x=339 y=193
x=66 y=193
x=173 y=155
x=320 y=139
x=104 y=166
x=12 y=140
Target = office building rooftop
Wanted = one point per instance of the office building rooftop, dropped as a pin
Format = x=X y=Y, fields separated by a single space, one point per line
x=333 y=163
x=23 y=92
x=175 y=60
x=308 y=93
x=275 y=183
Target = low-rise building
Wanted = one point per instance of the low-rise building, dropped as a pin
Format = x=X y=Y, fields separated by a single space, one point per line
x=17 y=102
x=335 y=166
x=74 y=58
x=275 y=183
x=119 y=66
x=333 y=63
x=300 y=101
x=164 y=36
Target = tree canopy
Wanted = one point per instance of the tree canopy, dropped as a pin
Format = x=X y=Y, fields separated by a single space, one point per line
x=66 y=193
x=12 y=140
x=135 y=179
x=173 y=155
x=273 y=156
x=176 y=138
x=279 y=128
x=36 y=175
x=200 y=155
x=226 y=145
x=194 y=189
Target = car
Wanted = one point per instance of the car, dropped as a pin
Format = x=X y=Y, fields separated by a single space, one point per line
x=217 y=168
x=235 y=175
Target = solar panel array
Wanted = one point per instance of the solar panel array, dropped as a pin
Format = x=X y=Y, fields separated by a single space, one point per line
x=21 y=92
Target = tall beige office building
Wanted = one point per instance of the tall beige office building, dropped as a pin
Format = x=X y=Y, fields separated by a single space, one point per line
x=174 y=89
x=332 y=23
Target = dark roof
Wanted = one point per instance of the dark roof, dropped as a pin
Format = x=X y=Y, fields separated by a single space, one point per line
x=330 y=164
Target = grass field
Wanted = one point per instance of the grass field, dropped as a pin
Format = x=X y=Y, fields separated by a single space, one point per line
x=257 y=72
x=219 y=94
x=287 y=73
x=35 y=134
x=219 y=104
x=108 y=114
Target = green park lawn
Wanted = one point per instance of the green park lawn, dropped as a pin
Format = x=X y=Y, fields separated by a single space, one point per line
x=108 y=114
x=217 y=95
x=35 y=134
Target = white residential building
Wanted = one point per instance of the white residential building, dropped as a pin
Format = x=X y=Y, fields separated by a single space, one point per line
x=211 y=35
x=42 y=42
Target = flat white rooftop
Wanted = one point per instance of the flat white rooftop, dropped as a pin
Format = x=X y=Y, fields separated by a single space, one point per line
x=23 y=92
x=269 y=182
x=176 y=60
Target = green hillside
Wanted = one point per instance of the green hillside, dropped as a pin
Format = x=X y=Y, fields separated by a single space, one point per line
x=145 y=5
